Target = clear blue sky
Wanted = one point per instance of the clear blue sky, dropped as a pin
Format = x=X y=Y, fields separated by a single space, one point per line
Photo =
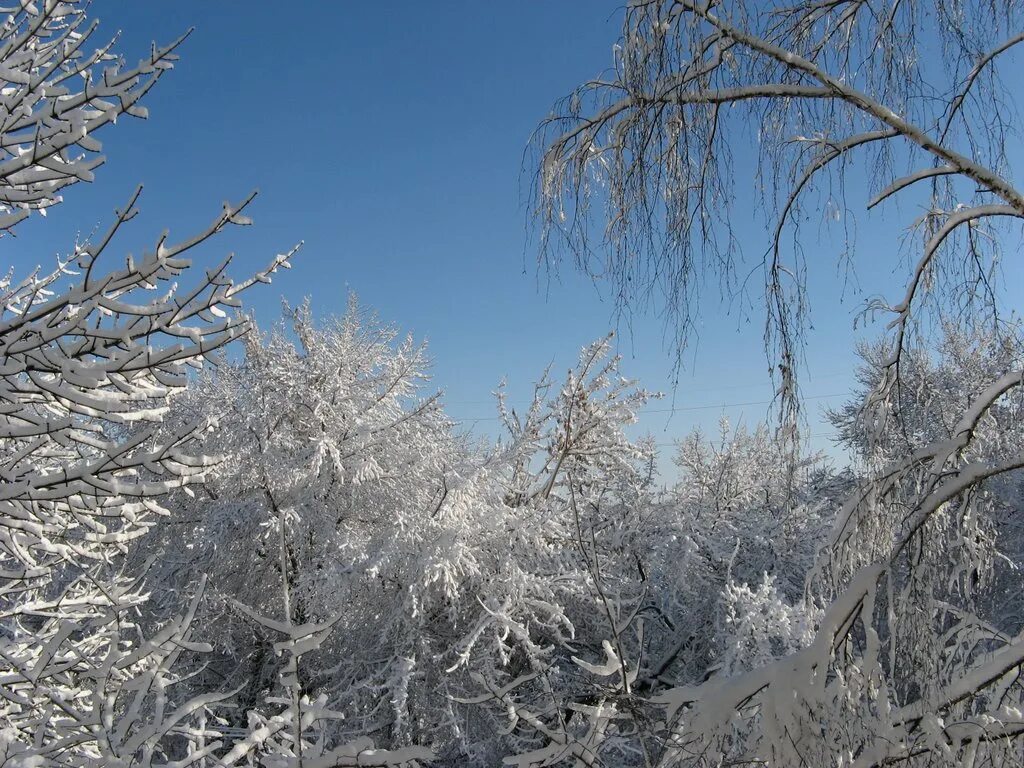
x=390 y=137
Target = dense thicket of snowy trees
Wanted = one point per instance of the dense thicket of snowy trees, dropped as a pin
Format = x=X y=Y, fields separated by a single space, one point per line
x=296 y=558
x=478 y=596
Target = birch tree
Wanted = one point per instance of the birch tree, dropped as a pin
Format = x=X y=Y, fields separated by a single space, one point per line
x=902 y=666
x=637 y=177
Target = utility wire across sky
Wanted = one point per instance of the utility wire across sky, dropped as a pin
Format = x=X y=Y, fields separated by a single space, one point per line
x=683 y=409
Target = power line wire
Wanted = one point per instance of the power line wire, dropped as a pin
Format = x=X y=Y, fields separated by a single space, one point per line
x=682 y=409
x=825 y=377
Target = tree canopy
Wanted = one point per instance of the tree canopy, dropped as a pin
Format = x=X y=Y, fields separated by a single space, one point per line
x=291 y=555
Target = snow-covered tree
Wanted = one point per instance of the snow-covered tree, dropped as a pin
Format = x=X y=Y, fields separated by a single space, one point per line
x=901 y=665
x=638 y=181
x=93 y=354
x=92 y=358
x=753 y=508
x=55 y=95
x=936 y=386
x=698 y=581
x=444 y=569
x=328 y=442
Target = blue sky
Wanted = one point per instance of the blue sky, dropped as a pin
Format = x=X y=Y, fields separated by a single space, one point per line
x=390 y=138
